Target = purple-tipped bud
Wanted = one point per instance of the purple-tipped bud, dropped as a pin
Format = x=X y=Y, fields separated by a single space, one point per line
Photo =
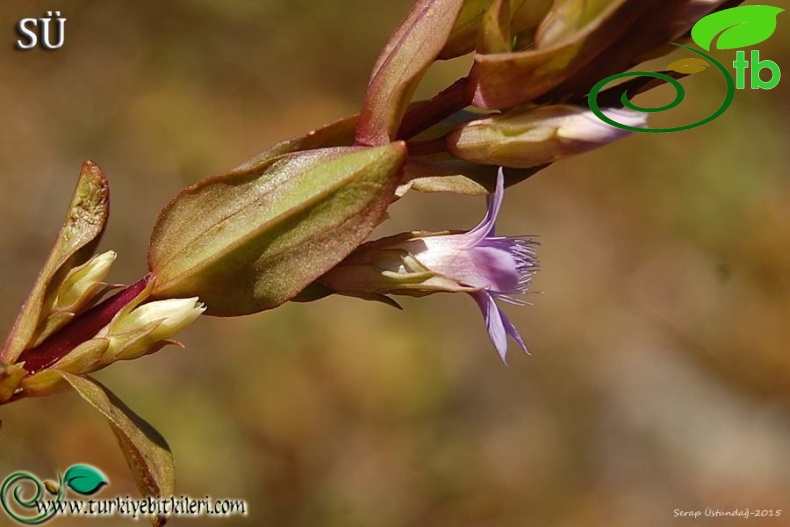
x=534 y=137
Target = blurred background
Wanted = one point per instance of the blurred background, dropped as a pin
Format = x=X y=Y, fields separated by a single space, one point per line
x=660 y=369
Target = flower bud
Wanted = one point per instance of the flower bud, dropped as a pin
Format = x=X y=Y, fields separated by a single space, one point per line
x=537 y=136
x=83 y=282
x=148 y=327
x=252 y=239
x=133 y=332
x=81 y=288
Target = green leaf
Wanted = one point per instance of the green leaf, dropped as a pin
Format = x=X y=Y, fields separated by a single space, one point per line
x=84 y=479
x=146 y=451
x=252 y=239
x=737 y=27
x=412 y=48
x=84 y=225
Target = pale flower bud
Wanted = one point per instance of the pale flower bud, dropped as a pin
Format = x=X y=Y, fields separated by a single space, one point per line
x=148 y=327
x=133 y=332
x=82 y=283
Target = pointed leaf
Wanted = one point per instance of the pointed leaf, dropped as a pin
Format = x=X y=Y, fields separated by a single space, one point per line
x=84 y=225
x=738 y=27
x=412 y=48
x=463 y=37
x=252 y=239
x=84 y=479
x=147 y=453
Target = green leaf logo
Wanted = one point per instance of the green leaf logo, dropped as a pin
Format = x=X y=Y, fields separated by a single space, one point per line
x=85 y=479
x=738 y=27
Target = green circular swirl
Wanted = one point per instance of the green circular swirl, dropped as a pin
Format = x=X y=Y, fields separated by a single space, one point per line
x=19 y=478
x=592 y=98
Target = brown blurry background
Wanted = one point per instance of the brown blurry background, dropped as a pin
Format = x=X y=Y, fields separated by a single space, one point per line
x=660 y=367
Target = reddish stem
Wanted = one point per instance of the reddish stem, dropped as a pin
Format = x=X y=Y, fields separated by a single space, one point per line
x=453 y=99
x=82 y=328
x=424 y=148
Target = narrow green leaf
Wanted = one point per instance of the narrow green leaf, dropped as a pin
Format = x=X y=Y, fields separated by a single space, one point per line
x=737 y=27
x=84 y=479
x=252 y=239
x=84 y=225
x=412 y=48
x=147 y=453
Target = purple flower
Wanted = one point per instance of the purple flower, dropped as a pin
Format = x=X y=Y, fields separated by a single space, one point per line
x=492 y=267
x=477 y=262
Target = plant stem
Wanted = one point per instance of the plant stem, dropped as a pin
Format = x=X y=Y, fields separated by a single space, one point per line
x=453 y=99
